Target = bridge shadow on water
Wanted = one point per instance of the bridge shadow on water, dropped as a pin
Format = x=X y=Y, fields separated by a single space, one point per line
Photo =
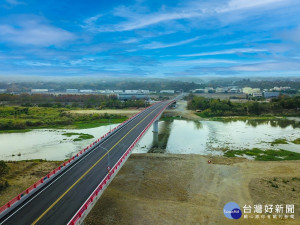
x=160 y=139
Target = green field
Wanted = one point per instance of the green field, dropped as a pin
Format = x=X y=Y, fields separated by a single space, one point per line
x=264 y=155
x=22 y=119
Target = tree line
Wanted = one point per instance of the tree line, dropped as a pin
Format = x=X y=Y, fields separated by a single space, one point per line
x=283 y=105
x=58 y=101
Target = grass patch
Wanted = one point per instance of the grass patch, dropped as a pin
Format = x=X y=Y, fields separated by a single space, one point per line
x=81 y=136
x=279 y=141
x=22 y=119
x=297 y=141
x=97 y=123
x=267 y=155
x=14 y=131
x=243 y=118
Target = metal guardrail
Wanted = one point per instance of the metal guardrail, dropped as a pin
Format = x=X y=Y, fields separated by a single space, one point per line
x=40 y=183
x=81 y=212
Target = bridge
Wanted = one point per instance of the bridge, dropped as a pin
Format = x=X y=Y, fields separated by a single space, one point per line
x=68 y=193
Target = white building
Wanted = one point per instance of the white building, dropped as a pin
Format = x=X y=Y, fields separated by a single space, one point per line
x=118 y=91
x=257 y=95
x=220 y=90
x=71 y=90
x=167 y=91
x=250 y=91
x=86 y=91
x=131 y=91
x=39 y=90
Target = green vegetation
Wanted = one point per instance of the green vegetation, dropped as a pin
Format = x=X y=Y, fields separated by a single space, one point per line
x=25 y=118
x=116 y=84
x=3 y=168
x=283 y=106
x=279 y=141
x=69 y=101
x=267 y=155
x=3 y=171
x=297 y=141
x=81 y=136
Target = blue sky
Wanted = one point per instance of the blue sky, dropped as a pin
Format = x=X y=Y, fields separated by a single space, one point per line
x=150 y=38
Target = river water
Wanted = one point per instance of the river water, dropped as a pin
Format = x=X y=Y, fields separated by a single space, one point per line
x=175 y=137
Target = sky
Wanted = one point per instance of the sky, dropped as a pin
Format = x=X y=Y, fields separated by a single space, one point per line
x=150 y=38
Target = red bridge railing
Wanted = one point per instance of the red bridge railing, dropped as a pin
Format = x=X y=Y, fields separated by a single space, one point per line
x=103 y=183
x=66 y=163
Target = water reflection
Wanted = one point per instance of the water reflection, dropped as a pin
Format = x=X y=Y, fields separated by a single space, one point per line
x=215 y=137
x=175 y=137
x=160 y=140
x=282 y=123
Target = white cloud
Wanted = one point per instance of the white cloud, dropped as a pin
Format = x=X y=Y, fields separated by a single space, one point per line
x=189 y=11
x=197 y=62
x=14 y=2
x=156 y=45
x=246 y=4
x=268 y=66
x=229 y=51
x=34 y=32
x=131 y=40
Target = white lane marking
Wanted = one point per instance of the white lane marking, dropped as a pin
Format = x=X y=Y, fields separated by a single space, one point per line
x=68 y=169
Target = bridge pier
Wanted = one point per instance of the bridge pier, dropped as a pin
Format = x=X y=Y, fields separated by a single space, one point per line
x=155 y=126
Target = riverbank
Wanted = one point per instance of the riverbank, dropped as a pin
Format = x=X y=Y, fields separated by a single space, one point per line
x=178 y=189
x=24 y=119
x=185 y=189
x=21 y=175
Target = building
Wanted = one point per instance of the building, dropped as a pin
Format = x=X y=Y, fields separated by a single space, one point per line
x=271 y=94
x=39 y=90
x=86 y=91
x=198 y=91
x=132 y=96
x=220 y=90
x=131 y=91
x=118 y=91
x=280 y=88
x=208 y=90
x=167 y=91
x=234 y=90
x=2 y=90
x=71 y=91
x=257 y=95
x=250 y=91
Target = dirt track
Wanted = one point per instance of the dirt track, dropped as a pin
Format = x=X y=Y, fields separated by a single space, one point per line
x=185 y=189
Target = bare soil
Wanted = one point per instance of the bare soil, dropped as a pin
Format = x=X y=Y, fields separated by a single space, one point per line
x=181 y=111
x=186 y=189
x=22 y=175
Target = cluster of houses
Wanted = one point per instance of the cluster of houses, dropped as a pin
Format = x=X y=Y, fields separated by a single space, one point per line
x=251 y=92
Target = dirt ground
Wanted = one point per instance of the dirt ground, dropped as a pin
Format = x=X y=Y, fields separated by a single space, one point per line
x=125 y=112
x=22 y=175
x=181 y=110
x=186 y=189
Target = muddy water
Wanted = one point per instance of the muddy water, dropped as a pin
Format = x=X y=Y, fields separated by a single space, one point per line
x=174 y=137
x=47 y=144
x=213 y=137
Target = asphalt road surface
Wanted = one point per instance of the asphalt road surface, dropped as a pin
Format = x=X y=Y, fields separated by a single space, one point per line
x=59 y=200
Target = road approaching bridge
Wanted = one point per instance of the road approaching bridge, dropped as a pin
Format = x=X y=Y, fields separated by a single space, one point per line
x=67 y=196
